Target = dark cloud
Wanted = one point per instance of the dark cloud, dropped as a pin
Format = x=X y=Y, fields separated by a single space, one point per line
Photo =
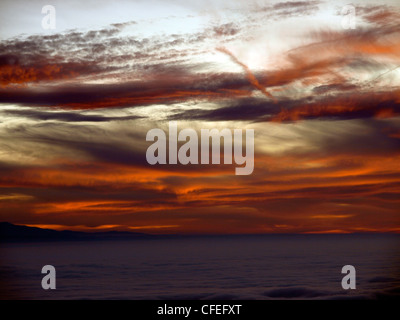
x=353 y=105
x=378 y=14
x=100 y=53
x=78 y=139
x=122 y=25
x=327 y=88
x=344 y=105
x=247 y=109
x=161 y=83
x=65 y=116
x=295 y=4
x=8 y=60
x=126 y=192
x=227 y=29
x=289 y=9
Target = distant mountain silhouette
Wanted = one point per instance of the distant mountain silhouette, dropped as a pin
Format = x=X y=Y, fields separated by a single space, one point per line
x=12 y=232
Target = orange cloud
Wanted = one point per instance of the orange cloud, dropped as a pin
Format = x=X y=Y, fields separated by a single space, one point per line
x=17 y=74
x=321 y=194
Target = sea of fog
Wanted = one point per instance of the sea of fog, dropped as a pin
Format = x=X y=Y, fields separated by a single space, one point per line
x=224 y=267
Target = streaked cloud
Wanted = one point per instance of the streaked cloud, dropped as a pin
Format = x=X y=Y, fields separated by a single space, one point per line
x=324 y=103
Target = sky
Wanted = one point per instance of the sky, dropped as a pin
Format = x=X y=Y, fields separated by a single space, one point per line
x=323 y=100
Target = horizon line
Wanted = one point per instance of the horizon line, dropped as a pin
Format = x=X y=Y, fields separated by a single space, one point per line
x=99 y=230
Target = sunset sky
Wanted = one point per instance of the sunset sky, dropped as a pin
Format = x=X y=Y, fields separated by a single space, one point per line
x=77 y=101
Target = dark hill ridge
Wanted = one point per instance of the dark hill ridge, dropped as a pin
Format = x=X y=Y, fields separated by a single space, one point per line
x=12 y=232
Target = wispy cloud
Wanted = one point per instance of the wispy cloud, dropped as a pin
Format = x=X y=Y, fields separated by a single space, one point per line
x=324 y=103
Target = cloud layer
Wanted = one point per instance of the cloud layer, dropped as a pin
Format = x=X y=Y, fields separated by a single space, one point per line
x=76 y=106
